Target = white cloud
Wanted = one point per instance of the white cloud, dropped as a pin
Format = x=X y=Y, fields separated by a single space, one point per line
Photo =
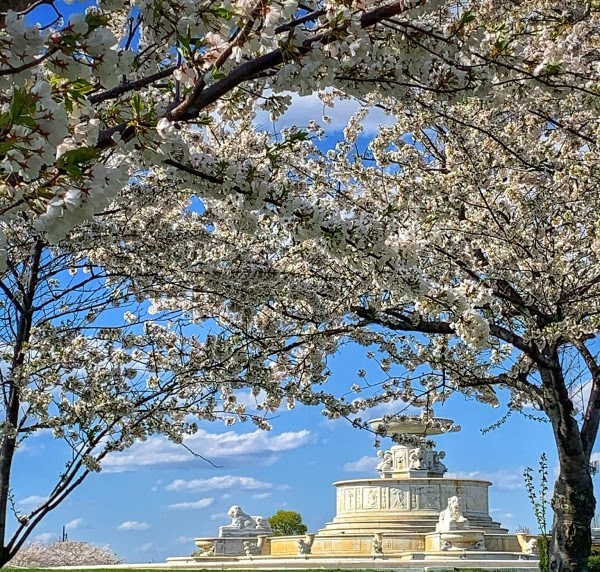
x=144 y=547
x=503 y=479
x=260 y=496
x=395 y=406
x=23 y=447
x=133 y=525
x=581 y=395
x=45 y=537
x=158 y=451
x=201 y=503
x=41 y=433
x=362 y=465
x=73 y=524
x=184 y=539
x=33 y=500
x=225 y=496
x=305 y=108
x=223 y=482
x=250 y=401
x=219 y=516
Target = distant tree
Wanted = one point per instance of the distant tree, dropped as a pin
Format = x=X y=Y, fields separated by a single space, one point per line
x=287 y=522
x=64 y=553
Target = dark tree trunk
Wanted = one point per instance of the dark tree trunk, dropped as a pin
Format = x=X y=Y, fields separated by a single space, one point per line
x=12 y=397
x=574 y=504
x=573 y=500
x=7 y=450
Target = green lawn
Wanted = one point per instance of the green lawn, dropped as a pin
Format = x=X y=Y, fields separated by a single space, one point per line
x=201 y=570
x=204 y=570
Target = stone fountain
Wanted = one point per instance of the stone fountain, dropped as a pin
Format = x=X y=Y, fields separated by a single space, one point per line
x=407 y=512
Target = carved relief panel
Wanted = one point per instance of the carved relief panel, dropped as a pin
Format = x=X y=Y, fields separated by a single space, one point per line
x=479 y=499
x=349 y=500
x=414 y=500
x=370 y=497
x=384 y=497
x=400 y=460
x=429 y=498
x=398 y=499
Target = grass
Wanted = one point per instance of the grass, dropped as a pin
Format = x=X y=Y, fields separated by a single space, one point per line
x=204 y=570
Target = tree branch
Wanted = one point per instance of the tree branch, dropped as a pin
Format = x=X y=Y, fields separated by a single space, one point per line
x=135 y=85
x=591 y=418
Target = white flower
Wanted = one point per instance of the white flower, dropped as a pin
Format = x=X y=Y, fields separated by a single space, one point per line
x=77 y=23
x=186 y=75
x=67 y=145
x=129 y=317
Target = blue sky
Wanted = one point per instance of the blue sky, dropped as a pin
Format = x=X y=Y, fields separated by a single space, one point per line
x=152 y=500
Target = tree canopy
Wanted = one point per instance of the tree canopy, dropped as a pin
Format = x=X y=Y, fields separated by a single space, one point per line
x=287 y=523
x=459 y=245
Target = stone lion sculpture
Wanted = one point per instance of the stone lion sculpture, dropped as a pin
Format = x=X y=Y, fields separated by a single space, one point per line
x=452 y=518
x=239 y=519
x=531 y=546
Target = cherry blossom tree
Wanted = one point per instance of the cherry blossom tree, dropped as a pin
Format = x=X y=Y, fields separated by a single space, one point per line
x=461 y=244
x=64 y=553
x=89 y=102
x=97 y=384
x=86 y=357
x=460 y=247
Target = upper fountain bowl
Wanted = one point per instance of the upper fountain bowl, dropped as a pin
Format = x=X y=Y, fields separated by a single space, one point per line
x=412 y=425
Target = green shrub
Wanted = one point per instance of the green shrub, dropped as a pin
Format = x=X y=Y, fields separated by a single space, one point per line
x=543 y=552
x=594 y=564
x=287 y=523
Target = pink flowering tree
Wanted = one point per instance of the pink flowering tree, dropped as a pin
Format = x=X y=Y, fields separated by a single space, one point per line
x=64 y=553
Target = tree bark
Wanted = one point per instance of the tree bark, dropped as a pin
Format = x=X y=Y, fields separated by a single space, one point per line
x=573 y=500
x=573 y=503
x=12 y=398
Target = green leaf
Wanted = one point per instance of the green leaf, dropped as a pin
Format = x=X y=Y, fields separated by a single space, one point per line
x=94 y=19
x=5 y=147
x=222 y=12
x=22 y=109
x=4 y=120
x=81 y=155
x=72 y=162
x=137 y=104
x=467 y=17
x=216 y=73
x=298 y=136
x=552 y=69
